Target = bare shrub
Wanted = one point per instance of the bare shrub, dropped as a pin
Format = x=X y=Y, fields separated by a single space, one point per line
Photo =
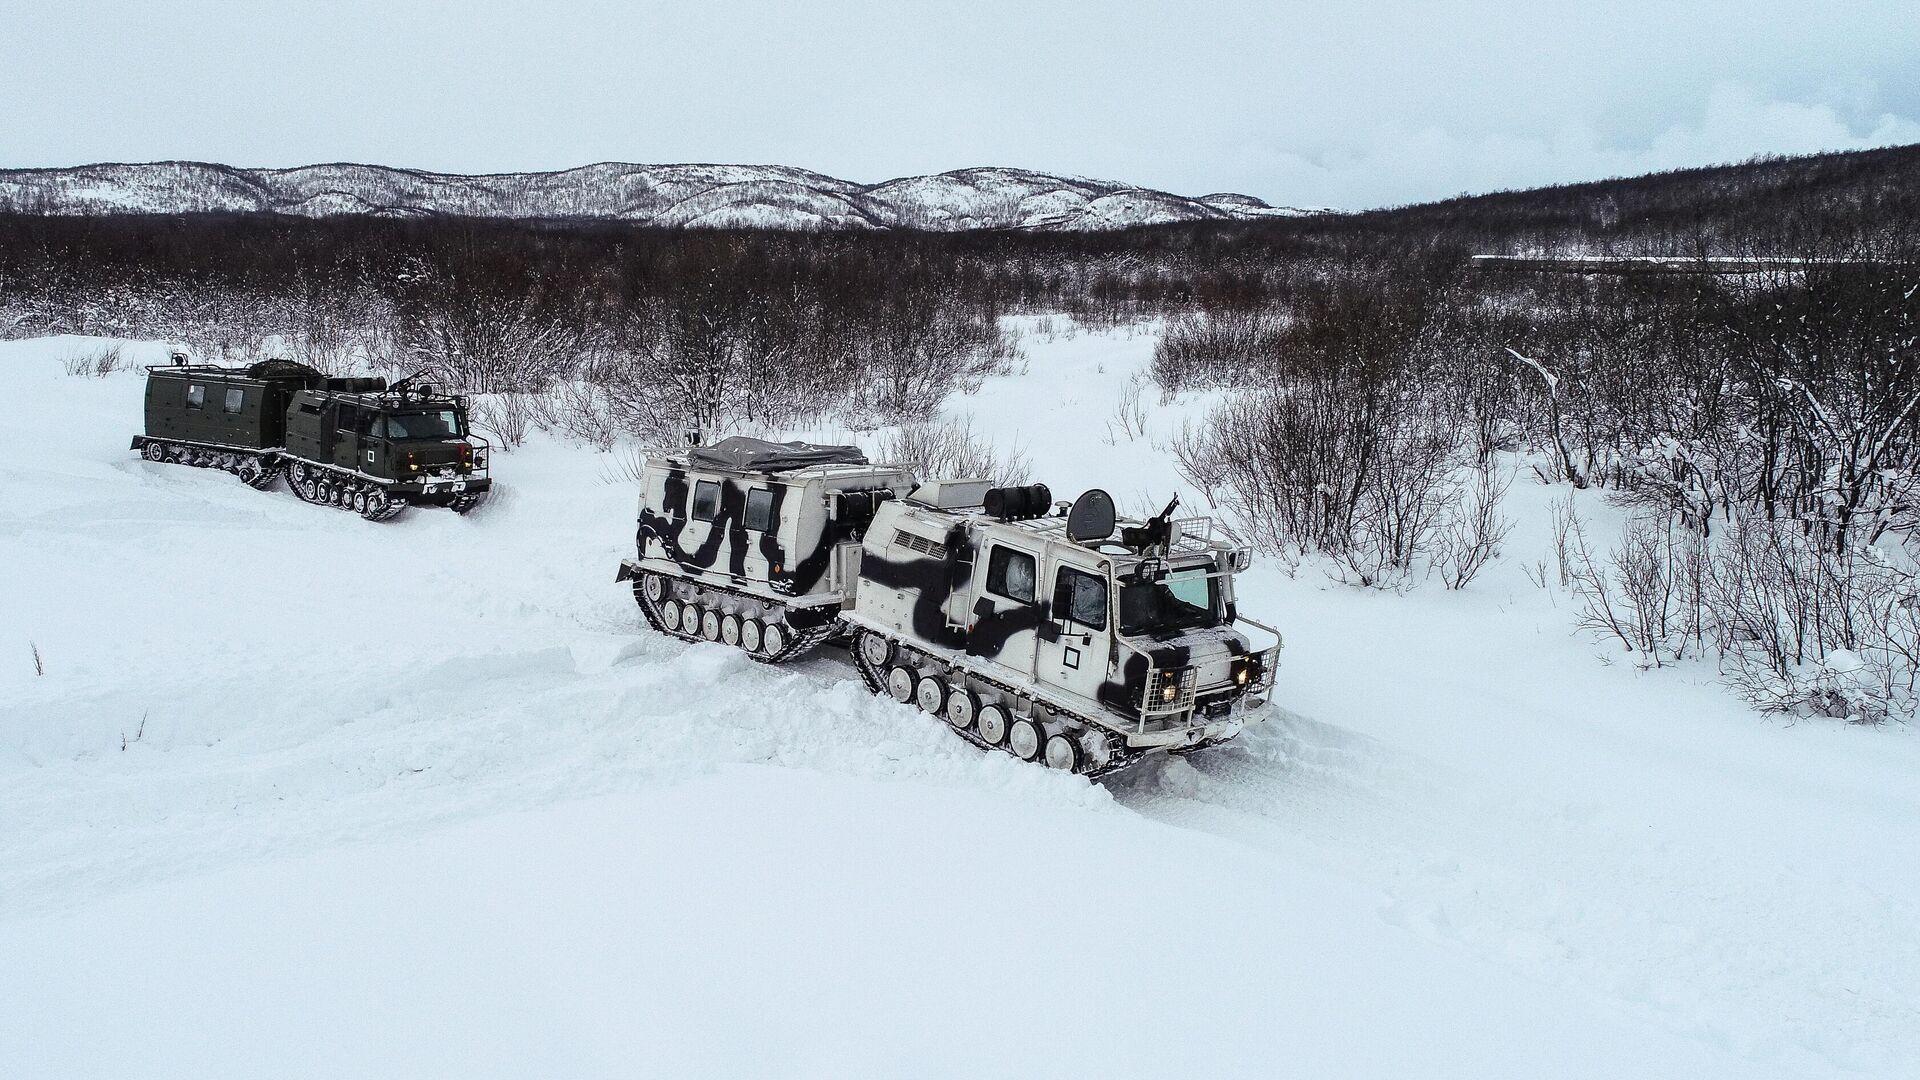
x=578 y=409
x=1795 y=627
x=98 y=363
x=949 y=448
x=1371 y=477
x=1802 y=628
x=1470 y=536
x=507 y=417
x=1217 y=349
x=626 y=464
x=39 y=666
x=1129 y=420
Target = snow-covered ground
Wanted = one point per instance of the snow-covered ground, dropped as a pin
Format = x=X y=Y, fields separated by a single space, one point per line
x=299 y=795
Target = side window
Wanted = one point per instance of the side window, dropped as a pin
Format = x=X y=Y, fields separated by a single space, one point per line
x=236 y=398
x=706 y=500
x=343 y=418
x=1010 y=574
x=196 y=397
x=759 y=509
x=379 y=428
x=1081 y=598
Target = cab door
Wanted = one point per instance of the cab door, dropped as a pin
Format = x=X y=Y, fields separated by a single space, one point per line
x=1077 y=644
x=346 y=436
x=1007 y=614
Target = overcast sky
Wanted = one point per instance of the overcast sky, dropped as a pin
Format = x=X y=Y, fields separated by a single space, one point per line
x=1346 y=104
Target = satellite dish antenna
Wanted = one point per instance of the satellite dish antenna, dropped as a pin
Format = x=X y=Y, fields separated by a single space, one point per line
x=1091 y=518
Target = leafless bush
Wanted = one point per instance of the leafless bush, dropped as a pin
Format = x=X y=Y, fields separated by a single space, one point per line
x=580 y=410
x=625 y=464
x=1129 y=420
x=39 y=666
x=1227 y=348
x=507 y=417
x=949 y=448
x=99 y=363
x=1795 y=627
x=1470 y=536
x=1369 y=476
x=1802 y=628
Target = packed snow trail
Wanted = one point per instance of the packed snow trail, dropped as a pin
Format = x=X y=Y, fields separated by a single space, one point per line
x=258 y=714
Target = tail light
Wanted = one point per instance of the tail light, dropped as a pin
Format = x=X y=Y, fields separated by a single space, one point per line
x=412 y=464
x=466 y=455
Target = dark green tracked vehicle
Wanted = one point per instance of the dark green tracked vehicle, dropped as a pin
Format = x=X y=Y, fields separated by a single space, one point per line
x=358 y=444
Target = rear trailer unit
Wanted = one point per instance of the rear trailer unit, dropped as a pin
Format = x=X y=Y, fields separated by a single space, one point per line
x=754 y=544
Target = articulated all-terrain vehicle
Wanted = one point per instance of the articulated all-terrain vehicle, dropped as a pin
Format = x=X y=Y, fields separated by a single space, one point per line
x=1067 y=636
x=356 y=443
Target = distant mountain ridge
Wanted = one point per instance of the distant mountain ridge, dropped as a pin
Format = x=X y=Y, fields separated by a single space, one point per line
x=714 y=196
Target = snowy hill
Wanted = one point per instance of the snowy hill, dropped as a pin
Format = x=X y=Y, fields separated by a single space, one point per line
x=690 y=195
x=300 y=795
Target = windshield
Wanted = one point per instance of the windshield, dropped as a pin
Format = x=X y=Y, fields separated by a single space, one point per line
x=1183 y=600
x=432 y=424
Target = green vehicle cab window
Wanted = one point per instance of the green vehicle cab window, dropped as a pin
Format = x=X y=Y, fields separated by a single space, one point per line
x=431 y=424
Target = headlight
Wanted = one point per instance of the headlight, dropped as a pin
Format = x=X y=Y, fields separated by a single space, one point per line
x=1169 y=692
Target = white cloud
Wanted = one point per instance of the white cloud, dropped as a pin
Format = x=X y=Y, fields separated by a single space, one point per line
x=1734 y=122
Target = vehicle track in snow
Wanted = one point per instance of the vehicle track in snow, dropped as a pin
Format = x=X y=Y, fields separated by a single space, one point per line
x=1646 y=918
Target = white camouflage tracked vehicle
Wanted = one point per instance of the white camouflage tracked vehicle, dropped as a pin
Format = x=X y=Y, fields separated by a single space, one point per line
x=1071 y=638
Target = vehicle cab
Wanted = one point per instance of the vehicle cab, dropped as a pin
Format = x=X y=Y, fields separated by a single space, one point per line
x=1131 y=624
x=416 y=442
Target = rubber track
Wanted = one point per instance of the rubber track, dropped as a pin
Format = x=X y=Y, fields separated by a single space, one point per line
x=394 y=506
x=799 y=642
x=176 y=455
x=877 y=682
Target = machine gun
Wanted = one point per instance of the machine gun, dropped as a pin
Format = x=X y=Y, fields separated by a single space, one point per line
x=400 y=388
x=1155 y=536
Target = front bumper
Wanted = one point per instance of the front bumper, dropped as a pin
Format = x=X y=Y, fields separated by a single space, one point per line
x=433 y=488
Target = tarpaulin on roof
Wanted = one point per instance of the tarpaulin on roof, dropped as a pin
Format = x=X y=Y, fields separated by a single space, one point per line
x=741 y=454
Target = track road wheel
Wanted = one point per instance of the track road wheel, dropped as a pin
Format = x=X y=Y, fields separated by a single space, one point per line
x=931 y=694
x=992 y=724
x=653 y=586
x=255 y=473
x=876 y=650
x=900 y=683
x=154 y=451
x=1062 y=753
x=1023 y=738
x=1096 y=749
x=710 y=625
x=773 y=638
x=671 y=613
x=962 y=707
x=750 y=636
x=730 y=629
x=373 y=505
